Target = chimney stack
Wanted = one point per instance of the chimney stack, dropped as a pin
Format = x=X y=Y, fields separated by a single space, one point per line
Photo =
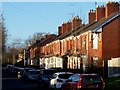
x=60 y=30
x=100 y=12
x=91 y=16
x=64 y=27
x=111 y=7
x=76 y=21
x=69 y=25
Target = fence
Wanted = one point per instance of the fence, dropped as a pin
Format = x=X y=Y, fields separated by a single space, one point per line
x=114 y=67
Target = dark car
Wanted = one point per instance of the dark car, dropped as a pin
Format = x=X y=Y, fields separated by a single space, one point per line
x=78 y=81
x=33 y=75
x=43 y=81
x=44 y=77
x=48 y=72
x=20 y=73
x=25 y=72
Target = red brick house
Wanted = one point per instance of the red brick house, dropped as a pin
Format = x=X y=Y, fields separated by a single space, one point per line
x=78 y=45
x=95 y=42
x=106 y=29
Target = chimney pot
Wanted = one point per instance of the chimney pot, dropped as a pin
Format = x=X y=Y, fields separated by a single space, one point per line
x=59 y=30
x=91 y=16
x=111 y=7
x=76 y=21
x=100 y=12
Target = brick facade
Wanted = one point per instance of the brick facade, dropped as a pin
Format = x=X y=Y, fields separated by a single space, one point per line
x=110 y=39
x=84 y=47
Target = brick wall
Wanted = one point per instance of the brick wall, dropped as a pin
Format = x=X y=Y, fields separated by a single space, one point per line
x=111 y=39
x=94 y=52
x=119 y=36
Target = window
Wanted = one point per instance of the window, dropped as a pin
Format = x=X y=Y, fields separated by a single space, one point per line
x=94 y=38
x=91 y=78
x=76 y=78
x=54 y=76
x=70 y=44
x=71 y=77
x=34 y=72
x=83 y=42
x=99 y=36
x=64 y=76
x=79 y=43
x=74 y=43
x=64 y=46
x=95 y=61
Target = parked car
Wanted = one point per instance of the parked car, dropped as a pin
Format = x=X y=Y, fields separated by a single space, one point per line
x=43 y=81
x=20 y=73
x=15 y=71
x=44 y=77
x=78 y=81
x=47 y=73
x=33 y=75
x=58 y=79
x=10 y=68
x=25 y=72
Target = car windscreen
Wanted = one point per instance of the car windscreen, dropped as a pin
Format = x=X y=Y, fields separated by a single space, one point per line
x=91 y=79
x=48 y=72
x=64 y=76
x=34 y=72
x=27 y=70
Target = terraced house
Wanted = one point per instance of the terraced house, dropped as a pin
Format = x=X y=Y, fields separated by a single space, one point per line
x=81 y=45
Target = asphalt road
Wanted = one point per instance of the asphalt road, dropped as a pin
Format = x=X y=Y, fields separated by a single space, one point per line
x=10 y=82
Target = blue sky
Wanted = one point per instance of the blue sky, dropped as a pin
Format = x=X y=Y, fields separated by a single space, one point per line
x=23 y=19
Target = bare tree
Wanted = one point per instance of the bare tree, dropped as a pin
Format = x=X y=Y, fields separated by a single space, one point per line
x=11 y=56
x=3 y=33
x=3 y=37
x=35 y=37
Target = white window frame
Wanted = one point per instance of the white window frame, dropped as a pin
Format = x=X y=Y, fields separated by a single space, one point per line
x=95 y=61
x=94 y=38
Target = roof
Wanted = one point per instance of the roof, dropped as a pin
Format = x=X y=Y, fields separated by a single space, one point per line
x=47 y=41
x=83 y=29
x=44 y=41
x=95 y=25
x=69 y=32
x=104 y=21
